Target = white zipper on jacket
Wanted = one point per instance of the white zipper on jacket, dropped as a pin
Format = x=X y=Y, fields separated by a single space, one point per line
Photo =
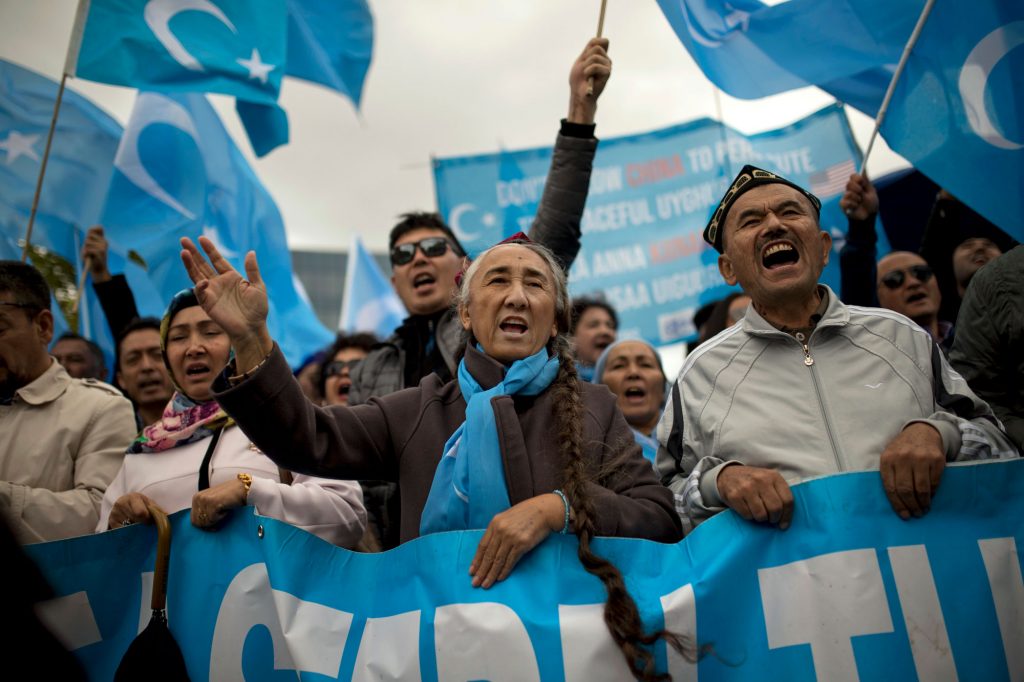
x=809 y=362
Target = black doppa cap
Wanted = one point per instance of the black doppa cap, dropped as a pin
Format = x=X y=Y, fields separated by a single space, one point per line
x=749 y=177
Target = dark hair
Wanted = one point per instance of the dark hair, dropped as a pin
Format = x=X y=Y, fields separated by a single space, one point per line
x=99 y=362
x=719 y=318
x=26 y=283
x=361 y=340
x=621 y=615
x=581 y=304
x=416 y=220
x=135 y=325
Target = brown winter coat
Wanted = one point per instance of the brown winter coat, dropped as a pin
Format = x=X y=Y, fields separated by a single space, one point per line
x=400 y=437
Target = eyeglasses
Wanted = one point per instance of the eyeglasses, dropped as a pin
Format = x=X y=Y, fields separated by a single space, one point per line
x=896 y=278
x=432 y=247
x=336 y=367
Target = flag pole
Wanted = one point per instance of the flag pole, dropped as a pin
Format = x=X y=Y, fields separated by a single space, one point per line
x=600 y=30
x=895 y=79
x=721 y=123
x=86 y=262
x=70 y=60
x=42 y=169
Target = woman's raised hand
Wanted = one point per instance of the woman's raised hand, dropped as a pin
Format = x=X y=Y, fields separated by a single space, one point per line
x=236 y=304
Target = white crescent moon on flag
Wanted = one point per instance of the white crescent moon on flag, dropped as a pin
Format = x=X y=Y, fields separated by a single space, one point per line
x=152 y=108
x=699 y=37
x=454 y=220
x=158 y=15
x=974 y=79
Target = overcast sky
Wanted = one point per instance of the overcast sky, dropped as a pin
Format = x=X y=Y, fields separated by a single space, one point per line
x=449 y=77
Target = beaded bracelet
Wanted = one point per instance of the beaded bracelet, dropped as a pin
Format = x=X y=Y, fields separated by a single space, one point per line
x=565 y=501
x=236 y=379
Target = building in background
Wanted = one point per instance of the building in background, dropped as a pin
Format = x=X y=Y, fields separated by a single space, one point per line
x=322 y=273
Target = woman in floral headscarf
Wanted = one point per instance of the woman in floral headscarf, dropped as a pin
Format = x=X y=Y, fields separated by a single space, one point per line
x=194 y=456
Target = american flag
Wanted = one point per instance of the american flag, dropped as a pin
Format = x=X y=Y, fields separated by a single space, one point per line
x=832 y=180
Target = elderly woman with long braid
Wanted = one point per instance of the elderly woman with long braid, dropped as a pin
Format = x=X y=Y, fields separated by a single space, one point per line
x=516 y=444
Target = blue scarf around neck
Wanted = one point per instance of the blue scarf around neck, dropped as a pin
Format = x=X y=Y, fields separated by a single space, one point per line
x=469 y=484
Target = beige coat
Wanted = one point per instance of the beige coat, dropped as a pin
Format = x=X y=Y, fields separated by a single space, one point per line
x=61 y=443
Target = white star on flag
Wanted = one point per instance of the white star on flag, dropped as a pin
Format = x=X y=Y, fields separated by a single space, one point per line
x=17 y=145
x=257 y=68
x=488 y=220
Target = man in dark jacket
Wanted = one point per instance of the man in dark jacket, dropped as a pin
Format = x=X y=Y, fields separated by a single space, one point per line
x=989 y=346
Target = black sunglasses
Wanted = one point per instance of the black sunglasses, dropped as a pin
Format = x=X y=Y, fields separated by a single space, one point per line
x=896 y=278
x=432 y=247
x=336 y=367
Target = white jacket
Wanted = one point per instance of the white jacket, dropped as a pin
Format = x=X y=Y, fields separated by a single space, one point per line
x=330 y=508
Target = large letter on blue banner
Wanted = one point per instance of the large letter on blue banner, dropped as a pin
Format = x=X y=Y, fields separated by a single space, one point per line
x=650 y=197
x=849 y=592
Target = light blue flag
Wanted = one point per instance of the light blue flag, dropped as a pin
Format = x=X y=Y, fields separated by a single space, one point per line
x=234 y=47
x=78 y=172
x=178 y=174
x=77 y=175
x=330 y=43
x=751 y=50
x=371 y=304
x=958 y=111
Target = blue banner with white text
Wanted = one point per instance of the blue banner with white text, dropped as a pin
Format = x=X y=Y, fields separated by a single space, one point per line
x=848 y=592
x=650 y=197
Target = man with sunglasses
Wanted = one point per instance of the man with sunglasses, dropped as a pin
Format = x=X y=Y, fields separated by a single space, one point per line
x=804 y=385
x=907 y=285
x=957 y=242
x=426 y=256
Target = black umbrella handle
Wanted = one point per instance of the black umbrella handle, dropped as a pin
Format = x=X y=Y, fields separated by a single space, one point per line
x=163 y=556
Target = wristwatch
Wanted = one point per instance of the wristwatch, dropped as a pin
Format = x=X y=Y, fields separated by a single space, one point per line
x=246 y=480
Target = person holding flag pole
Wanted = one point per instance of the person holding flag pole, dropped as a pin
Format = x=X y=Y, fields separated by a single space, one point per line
x=426 y=255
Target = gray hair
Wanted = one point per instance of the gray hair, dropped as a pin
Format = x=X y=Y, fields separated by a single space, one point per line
x=563 y=304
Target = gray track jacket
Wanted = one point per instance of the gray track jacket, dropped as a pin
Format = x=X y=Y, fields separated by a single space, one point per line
x=752 y=395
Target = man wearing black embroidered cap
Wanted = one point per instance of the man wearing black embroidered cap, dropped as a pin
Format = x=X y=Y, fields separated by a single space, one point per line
x=805 y=386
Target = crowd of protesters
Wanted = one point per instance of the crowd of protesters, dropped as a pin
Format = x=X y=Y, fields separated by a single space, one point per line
x=499 y=403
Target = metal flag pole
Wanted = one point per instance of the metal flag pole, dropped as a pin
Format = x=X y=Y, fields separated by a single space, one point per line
x=42 y=170
x=69 y=63
x=600 y=30
x=895 y=79
x=722 y=129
